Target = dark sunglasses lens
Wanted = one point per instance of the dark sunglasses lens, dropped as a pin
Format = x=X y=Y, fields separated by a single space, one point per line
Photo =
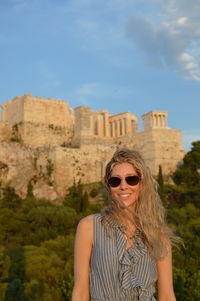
x=132 y=180
x=114 y=181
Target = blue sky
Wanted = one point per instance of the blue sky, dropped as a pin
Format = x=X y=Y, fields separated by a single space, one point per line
x=119 y=55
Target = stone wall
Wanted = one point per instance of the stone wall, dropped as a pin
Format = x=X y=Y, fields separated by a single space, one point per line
x=21 y=165
x=161 y=147
x=5 y=131
x=38 y=134
x=86 y=164
x=13 y=110
x=39 y=110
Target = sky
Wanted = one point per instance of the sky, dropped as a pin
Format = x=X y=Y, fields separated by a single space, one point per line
x=117 y=55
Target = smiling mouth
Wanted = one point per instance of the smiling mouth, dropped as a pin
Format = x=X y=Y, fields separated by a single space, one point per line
x=124 y=195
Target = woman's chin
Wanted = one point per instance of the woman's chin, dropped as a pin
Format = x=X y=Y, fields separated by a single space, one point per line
x=128 y=203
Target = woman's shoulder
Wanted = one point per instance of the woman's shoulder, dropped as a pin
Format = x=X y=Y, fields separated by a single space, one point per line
x=85 y=229
x=86 y=223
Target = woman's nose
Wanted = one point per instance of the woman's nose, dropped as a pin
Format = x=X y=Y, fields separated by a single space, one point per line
x=123 y=184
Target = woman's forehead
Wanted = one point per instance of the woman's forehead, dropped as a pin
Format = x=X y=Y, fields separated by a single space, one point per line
x=123 y=167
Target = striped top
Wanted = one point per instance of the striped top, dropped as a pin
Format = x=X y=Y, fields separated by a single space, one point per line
x=117 y=274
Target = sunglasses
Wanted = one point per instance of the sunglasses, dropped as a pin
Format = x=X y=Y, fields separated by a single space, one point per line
x=130 y=180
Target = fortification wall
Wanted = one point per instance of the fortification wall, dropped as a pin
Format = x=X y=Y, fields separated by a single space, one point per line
x=5 y=131
x=38 y=110
x=74 y=164
x=83 y=164
x=161 y=147
x=47 y=111
x=41 y=134
x=13 y=110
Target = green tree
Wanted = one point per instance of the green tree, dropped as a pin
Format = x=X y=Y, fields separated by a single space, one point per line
x=160 y=183
x=188 y=173
x=16 y=274
x=10 y=199
x=47 y=222
x=84 y=202
x=14 y=228
x=44 y=272
x=77 y=198
x=4 y=272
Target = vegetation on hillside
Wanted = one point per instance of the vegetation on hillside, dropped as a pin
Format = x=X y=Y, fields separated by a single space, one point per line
x=36 y=236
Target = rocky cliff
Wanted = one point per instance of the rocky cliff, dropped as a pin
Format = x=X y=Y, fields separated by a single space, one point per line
x=49 y=171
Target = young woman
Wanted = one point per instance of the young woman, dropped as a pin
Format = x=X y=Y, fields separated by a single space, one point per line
x=122 y=252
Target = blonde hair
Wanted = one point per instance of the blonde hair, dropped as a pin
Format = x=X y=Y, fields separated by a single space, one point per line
x=148 y=214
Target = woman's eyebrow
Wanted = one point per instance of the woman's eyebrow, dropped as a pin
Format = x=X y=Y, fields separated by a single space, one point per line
x=128 y=174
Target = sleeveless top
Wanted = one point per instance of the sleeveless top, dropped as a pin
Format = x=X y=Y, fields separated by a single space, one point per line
x=117 y=274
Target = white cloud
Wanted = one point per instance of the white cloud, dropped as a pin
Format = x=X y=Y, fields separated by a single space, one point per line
x=190 y=66
x=182 y=21
x=164 y=30
x=173 y=39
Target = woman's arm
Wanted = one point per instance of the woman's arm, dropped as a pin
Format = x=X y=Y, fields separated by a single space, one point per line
x=165 y=278
x=82 y=254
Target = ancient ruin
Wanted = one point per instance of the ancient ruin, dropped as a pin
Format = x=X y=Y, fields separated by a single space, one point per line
x=78 y=142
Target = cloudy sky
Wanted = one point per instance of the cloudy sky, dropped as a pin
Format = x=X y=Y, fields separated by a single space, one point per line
x=119 y=55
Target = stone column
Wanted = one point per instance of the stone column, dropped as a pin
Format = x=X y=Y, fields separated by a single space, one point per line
x=166 y=125
x=128 y=125
x=97 y=125
x=123 y=127
x=151 y=121
x=133 y=126
x=160 y=120
x=100 y=125
x=118 y=128
x=110 y=128
x=113 y=128
x=156 y=120
x=163 y=121
x=106 y=124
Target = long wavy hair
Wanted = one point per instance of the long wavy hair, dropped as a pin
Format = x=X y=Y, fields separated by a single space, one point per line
x=148 y=214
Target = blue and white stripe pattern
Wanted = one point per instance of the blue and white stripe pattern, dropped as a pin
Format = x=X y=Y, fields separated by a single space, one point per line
x=117 y=274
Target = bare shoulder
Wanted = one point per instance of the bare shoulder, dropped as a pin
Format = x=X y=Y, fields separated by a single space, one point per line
x=85 y=226
x=86 y=222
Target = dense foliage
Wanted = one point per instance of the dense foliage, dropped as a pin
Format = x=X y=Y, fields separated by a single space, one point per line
x=36 y=244
x=183 y=207
x=36 y=236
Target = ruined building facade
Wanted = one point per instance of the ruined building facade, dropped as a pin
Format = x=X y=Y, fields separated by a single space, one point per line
x=81 y=140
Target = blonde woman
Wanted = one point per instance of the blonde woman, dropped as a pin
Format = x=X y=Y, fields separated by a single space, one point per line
x=121 y=253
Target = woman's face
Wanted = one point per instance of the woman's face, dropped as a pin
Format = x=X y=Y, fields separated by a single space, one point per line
x=124 y=192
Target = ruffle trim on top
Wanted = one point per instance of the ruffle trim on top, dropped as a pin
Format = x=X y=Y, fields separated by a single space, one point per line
x=127 y=259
